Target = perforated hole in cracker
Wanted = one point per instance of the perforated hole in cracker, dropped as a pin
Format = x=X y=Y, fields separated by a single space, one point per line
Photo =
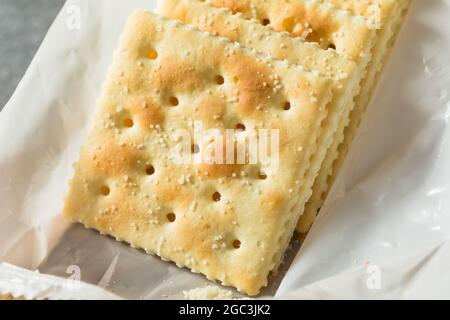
x=220 y=80
x=105 y=191
x=216 y=196
x=174 y=101
x=150 y=170
x=171 y=217
x=262 y=176
x=195 y=148
x=152 y=54
x=128 y=123
x=240 y=127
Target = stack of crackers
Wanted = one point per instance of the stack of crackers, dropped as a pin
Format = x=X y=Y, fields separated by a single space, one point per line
x=296 y=75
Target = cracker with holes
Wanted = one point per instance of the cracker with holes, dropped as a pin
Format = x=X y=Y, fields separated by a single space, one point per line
x=346 y=74
x=163 y=168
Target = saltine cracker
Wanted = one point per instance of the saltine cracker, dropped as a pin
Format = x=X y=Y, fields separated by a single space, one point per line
x=166 y=76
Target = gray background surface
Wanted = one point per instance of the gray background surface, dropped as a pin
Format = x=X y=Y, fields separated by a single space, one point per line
x=23 y=25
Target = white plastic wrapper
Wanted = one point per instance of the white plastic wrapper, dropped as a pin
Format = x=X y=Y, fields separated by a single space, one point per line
x=383 y=233
x=26 y=284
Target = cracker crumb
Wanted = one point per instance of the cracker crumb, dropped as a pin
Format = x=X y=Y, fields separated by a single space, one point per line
x=209 y=293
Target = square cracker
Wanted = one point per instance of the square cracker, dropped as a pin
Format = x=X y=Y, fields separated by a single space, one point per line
x=165 y=77
x=387 y=17
x=346 y=74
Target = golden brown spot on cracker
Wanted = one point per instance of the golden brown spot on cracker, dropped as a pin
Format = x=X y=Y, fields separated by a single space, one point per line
x=219 y=166
x=236 y=244
x=176 y=76
x=254 y=84
x=214 y=171
x=112 y=159
x=146 y=112
x=273 y=200
x=211 y=108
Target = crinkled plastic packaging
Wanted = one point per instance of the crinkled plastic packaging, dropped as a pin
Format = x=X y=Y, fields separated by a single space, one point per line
x=383 y=233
